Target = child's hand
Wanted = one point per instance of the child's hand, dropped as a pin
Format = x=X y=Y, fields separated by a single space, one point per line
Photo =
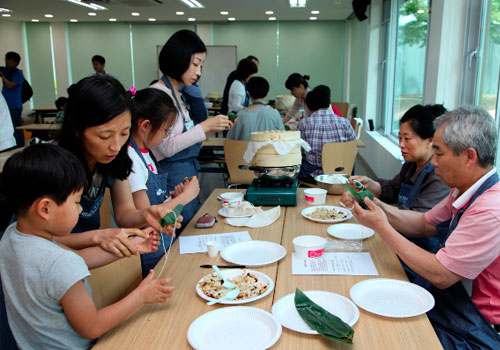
x=169 y=230
x=147 y=245
x=178 y=190
x=191 y=188
x=155 y=291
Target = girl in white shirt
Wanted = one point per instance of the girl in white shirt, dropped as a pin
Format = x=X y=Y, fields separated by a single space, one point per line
x=238 y=98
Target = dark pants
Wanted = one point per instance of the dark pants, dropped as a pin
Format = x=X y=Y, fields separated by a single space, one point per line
x=15 y=115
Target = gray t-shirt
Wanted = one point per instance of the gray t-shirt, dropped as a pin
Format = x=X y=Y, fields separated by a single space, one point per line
x=36 y=273
x=262 y=119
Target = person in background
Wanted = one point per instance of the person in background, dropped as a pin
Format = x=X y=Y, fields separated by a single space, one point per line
x=238 y=97
x=320 y=127
x=152 y=121
x=193 y=98
x=467 y=225
x=257 y=117
x=13 y=79
x=416 y=186
x=180 y=61
x=47 y=301
x=229 y=81
x=60 y=105
x=299 y=88
x=7 y=139
x=99 y=62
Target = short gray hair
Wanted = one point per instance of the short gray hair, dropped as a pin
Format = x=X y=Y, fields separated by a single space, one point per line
x=470 y=126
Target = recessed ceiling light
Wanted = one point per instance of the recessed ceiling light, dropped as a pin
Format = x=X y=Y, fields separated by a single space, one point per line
x=90 y=6
x=112 y=19
x=35 y=20
x=74 y=20
x=4 y=10
x=297 y=3
x=315 y=12
x=179 y=13
x=231 y=19
x=193 y=4
x=191 y=19
x=92 y=14
x=269 y=12
x=272 y=18
x=224 y=13
x=135 y=14
x=152 y=19
x=48 y=15
x=5 y=14
x=313 y=18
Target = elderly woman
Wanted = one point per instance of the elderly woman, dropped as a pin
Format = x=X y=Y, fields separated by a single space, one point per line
x=416 y=187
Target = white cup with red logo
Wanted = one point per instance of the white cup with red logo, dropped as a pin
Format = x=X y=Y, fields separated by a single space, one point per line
x=231 y=200
x=315 y=196
x=309 y=246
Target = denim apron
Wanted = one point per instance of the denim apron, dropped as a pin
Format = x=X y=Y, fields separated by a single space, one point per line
x=156 y=189
x=407 y=197
x=457 y=321
x=182 y=164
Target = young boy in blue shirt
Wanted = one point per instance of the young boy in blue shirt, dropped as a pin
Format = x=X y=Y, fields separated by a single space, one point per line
x=49 y=305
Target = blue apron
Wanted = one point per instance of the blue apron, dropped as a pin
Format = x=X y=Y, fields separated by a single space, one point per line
x=182 y=164
x=90 y=218
x=407 y=197
x=156 y=189
x=457 y=321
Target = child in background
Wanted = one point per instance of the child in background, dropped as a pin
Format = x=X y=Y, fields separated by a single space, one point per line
x=47 y=301
x=154 y=116
x=60 y=105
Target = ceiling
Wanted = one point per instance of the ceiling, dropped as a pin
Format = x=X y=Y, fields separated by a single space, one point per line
x=241 y=10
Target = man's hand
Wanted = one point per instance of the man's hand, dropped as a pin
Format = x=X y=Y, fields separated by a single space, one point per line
x=374 y=217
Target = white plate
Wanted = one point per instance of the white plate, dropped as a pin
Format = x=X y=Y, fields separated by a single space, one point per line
x=392 y=298
x=236 y=272
x=222 y=213
x=311 y=209
x=235 y=328
x=350 y=231
x=338 y=305
x=253 y=253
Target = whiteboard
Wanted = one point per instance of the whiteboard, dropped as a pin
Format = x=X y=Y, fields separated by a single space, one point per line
x=220 y=61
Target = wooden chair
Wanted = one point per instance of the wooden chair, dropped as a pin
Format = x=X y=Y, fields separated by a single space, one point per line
x=338 y=154
x=357 y=124
x=233 y=151
x=343 y=108
x=112 y=282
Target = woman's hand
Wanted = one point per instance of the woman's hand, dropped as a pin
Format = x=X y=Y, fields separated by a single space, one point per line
x=216 y=124
x=155 y=291
x=116 y=240
x=154 y=213
x=371 y=185
x=147 y=245
x=347 y=200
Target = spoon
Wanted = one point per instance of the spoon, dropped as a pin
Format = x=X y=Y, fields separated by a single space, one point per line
x=231 y=295
x=226 y=284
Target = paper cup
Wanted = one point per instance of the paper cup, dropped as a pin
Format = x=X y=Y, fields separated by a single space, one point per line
x=309 y=246
x=315 y=196
x=212 y=248
x=231 y=199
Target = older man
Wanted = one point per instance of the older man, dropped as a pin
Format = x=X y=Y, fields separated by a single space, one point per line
x=467 y=224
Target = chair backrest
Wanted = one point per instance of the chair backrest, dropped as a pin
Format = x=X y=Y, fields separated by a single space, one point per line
x=338 y=154
x=357 y=124
x=343 y=108
x=233 y=151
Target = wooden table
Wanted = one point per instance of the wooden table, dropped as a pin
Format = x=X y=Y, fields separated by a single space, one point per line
x=165 y=326
x=44 y=131
x=44 y=111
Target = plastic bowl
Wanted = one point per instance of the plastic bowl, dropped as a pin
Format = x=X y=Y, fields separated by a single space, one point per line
x=309 y=246
x=315 y=196
x=331 y=183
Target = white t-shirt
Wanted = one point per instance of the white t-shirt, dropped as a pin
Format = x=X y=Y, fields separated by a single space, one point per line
x=138 y=178
x=237 y=94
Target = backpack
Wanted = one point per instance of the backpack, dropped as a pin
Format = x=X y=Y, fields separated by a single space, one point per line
x=26 y=91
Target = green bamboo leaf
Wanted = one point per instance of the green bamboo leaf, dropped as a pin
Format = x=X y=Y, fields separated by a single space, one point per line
x=322 y=321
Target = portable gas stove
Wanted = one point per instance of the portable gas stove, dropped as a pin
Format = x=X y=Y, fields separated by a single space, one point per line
x=265 y=191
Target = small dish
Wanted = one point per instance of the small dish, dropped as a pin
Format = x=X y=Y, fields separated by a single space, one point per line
x=350 y=231
x=346 y=214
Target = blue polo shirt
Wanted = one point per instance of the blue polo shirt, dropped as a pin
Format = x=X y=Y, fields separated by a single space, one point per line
x=13 y=96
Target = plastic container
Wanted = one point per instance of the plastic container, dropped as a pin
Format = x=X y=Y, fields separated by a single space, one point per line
x=315 y=196
x=309 y=246
x=231 y=199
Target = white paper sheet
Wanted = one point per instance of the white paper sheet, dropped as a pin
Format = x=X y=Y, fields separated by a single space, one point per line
x=360 y=264
x=197 y=244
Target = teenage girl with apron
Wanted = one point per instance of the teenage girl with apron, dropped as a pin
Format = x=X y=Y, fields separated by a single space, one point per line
x=152 y=121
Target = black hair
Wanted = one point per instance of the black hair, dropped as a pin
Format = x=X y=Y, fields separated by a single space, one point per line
x=245 y=68
x=295 y=79
x=153 y=105
x=94 y=101
x=176 y=54
x=250 y=57
x=318 y=98
x=11 y=55
x=257 y=87
x=41 y=170
x=153 y=82
x=421 y=119
x=99 y=58
x=61 y=102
